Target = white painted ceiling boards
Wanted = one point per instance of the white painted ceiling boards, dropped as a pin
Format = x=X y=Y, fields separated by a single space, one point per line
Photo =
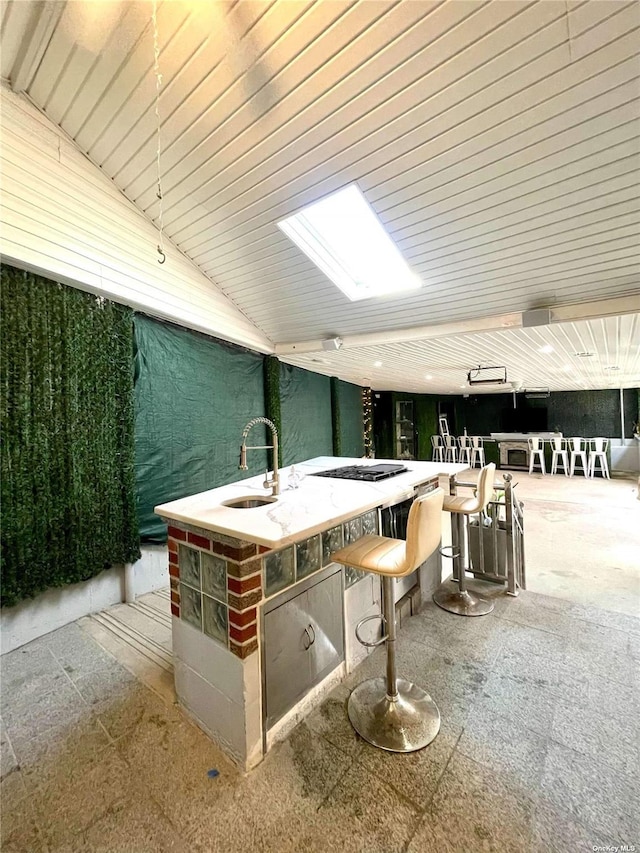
x=497 y=141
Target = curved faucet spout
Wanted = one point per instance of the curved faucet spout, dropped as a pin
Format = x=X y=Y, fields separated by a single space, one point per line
x=274 y=482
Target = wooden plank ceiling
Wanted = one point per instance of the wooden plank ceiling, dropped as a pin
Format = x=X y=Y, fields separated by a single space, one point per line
x=497 y=141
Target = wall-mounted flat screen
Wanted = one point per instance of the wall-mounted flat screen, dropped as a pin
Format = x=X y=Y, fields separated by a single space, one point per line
x=525 y=419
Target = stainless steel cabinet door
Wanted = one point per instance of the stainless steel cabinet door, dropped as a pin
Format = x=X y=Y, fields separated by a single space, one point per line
x=325 y=618
x=287 y=669
x=303 y=642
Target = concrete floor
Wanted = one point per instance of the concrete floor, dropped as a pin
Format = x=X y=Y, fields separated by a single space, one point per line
x=538 y=749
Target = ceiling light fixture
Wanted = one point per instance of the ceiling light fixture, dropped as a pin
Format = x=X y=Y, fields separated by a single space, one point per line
x=584 y=354
x=612 y=367
x=428 y=376
x=377 y=364
x=343 y=236
x=547 y=348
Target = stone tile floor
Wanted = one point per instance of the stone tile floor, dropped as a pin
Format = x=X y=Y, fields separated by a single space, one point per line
x=538 y=749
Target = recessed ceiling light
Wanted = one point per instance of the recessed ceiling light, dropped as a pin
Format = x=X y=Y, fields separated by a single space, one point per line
x=428 y=376
x=584 y=354
x=567 y=367
x=612 y=367
x=546 y=348
x=377 y=364
x=344 y=238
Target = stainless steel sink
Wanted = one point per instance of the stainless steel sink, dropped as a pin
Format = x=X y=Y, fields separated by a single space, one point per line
x=250 y=502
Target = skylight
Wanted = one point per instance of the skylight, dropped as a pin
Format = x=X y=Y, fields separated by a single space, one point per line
x=344 y=238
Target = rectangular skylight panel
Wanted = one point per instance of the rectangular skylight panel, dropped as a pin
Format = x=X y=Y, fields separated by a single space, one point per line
x=342 y=235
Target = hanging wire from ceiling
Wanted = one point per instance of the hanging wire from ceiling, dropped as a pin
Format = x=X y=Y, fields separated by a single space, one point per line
x=158 y=75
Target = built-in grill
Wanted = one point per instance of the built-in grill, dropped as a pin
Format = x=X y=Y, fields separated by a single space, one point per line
x=369 y=473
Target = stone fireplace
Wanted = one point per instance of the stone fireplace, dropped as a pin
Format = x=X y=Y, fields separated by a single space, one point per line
x=514 y=455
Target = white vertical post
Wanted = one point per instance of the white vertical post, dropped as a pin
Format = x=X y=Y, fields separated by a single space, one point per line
x=622 y=415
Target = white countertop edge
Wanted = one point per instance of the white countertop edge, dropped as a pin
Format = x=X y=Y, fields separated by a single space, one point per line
x=318 y=504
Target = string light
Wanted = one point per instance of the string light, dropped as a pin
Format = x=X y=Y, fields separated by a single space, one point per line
x=367 y=422
x=156 y=69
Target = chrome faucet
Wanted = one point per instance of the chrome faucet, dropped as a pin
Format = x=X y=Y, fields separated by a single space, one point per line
x=274 y=482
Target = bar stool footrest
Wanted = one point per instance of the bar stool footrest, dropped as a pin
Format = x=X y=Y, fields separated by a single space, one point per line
x=449 y=551
x=375 y=643
x=404 y=723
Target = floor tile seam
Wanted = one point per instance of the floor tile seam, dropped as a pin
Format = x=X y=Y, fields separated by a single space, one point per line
x=615 y=772
x=387 y=783
x=517 y=725
x=436 y=788
x=419 y=817
x=602 y=758
x=352 y=762
x=95 y=643
x=532 y=627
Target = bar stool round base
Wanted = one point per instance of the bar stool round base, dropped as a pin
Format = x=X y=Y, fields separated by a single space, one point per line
x=405 y=724
x=462 y=603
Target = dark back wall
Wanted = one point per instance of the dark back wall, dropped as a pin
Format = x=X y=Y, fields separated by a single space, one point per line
x=580 y=413
x=583 y=413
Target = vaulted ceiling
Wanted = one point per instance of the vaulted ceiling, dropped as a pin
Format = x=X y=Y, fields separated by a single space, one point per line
x=497 y=141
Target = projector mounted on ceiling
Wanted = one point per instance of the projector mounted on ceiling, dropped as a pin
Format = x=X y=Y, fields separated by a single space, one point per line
x=536 y=393
x=487 y=376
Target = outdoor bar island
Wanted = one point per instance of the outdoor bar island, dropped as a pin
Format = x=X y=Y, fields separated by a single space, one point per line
x=263 y=620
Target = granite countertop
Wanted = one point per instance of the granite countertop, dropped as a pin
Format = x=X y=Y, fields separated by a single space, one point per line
x=318 y=503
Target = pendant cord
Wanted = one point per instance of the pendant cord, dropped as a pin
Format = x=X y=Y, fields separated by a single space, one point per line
x=158 y=75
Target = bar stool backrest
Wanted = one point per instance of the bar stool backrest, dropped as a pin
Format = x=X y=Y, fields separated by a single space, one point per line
x=423 y=529
x=477 y=441
x=559 y=444
x=599 y=445
x=535 y=443
x=450 y=440
x=484 y=489
x=577 y=444
x=436 y=441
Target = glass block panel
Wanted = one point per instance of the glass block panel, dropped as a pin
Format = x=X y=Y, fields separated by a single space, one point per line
x=190 y=606
x=189 y=560
x=331 y=542
x=352 y=576
x=214 y=576
x=278 y=571
x=308 y=557
x=352 y=530
x=214 y=619
x=370 y=523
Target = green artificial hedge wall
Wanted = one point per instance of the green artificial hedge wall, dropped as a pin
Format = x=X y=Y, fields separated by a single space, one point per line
x=194 y=395
x=68 y=505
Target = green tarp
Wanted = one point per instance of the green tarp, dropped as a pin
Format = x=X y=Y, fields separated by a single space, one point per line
x=351 y=434
x=305 y=406
x=193 y=397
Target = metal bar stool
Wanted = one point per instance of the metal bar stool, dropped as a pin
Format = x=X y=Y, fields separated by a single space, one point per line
x=393 y=713
x=559 y=454
x=578 y=448
x=477 y=451
x=464 y=449
x=450 y=448
x=598 y=453
x=536 y=448
x=460 y=600
x=438 y=448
